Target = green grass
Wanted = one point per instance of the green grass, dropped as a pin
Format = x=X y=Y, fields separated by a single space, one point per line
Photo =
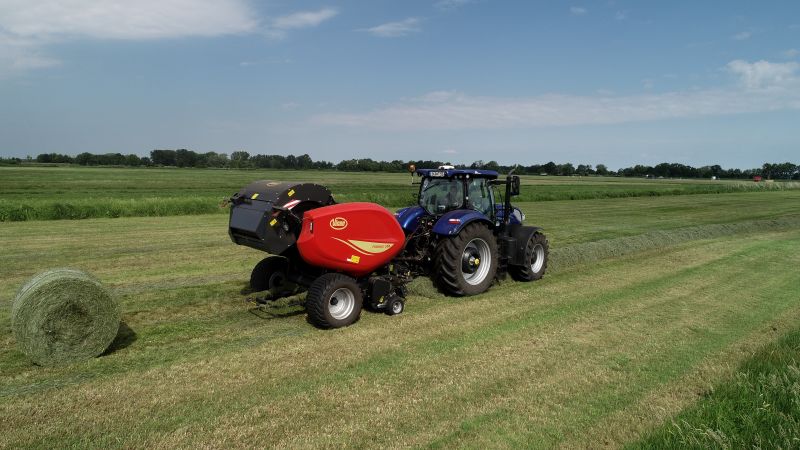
x=48 y=193
x=597 y=353
x=758 y=407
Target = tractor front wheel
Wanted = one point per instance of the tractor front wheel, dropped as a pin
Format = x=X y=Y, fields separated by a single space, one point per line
x=466 y=264
x=334 y=301
x=535 y=262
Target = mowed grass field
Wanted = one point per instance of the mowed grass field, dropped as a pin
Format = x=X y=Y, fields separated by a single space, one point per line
x=597 y=354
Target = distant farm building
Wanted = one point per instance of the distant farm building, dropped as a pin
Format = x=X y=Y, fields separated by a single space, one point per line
x=757 y=178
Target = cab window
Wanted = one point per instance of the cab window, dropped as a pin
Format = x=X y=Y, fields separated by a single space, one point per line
x=480 y=196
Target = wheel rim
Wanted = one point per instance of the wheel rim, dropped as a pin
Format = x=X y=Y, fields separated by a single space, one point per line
x=537 y=258
x=476 y=261
x=341 y=303
x=397 y=307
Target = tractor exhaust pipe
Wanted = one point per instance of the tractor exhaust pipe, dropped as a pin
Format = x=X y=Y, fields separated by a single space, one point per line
x=511 y=180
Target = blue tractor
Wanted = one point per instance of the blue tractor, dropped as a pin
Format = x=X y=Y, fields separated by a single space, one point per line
x=464 y=232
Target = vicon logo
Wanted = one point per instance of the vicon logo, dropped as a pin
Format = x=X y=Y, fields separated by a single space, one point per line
x=338 y=223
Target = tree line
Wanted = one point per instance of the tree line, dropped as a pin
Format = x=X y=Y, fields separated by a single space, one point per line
x=244 y=160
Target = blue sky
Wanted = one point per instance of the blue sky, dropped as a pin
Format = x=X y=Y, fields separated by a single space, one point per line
x=613 y=82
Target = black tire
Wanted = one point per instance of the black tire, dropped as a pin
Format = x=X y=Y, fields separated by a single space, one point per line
x=537 y=253
x=397 y=306
x=451 y=265
x=325 y=293
x=270 y=275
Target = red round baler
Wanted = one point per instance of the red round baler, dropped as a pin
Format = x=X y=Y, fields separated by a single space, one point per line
x=353 y=238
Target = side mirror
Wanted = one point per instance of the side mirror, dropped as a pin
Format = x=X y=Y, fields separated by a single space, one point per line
x=515 y=185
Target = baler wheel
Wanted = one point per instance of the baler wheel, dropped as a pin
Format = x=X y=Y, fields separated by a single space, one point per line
x=334 y=301
x=536 y=255
x=396 y=307
x=270 y=275
x=466 y=264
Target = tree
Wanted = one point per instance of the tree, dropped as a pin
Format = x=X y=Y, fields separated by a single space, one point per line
x=304 y=162
x=601 y=169
x=163 y=157
x=240 y=159
x=566 y=169
x=767 y=169
x=584 y=169
x=785 y=170
x=132 y=160
x=492 y=165
x=212 y=159
x=185 y=158
x=85 y=159
x=53 y=158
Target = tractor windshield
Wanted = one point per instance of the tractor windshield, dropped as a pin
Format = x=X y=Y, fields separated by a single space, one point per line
x=439 y=195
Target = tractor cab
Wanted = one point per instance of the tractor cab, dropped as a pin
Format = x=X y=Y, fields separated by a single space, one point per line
x=447 y=189
x=455 y=197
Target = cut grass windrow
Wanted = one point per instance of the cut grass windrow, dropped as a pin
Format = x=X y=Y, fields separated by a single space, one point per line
x=564 y=257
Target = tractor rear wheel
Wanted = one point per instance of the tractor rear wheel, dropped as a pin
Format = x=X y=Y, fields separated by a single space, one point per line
x=466 y=264
x=270 y=275
x=333 y=301
x=535 y=263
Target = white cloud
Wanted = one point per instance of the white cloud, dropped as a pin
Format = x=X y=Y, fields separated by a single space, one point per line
x=302 y=19
x=621 y=15
x=791 y=53
x=742 y=36
x=396 y=29
x=450 y=151
x=763 y=87
x=28 y=27
x=447 y=5
x=123 y=19
x=578 y=10
x=764 y=74
x=19 y=54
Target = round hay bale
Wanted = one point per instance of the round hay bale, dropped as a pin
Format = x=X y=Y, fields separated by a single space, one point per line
x=64 y=315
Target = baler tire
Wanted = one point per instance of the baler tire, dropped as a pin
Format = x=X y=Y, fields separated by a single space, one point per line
x=533 y=268
x=448 y=272
x=318 y=300
x=397 y=306
x=262 y=278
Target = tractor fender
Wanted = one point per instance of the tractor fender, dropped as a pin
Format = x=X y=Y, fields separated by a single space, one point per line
x=499 y=213
x=452 y=222
x=519 y=235
x=409 y=217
